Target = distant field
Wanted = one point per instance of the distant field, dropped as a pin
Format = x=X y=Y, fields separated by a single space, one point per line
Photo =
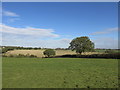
x=39 y=53
x=59 y=73
x=103 y=50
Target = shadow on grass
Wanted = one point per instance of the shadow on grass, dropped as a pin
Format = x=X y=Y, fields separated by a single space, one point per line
x=112 y=56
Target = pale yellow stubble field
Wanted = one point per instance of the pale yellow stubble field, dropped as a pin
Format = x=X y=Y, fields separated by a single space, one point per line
x=39 y=53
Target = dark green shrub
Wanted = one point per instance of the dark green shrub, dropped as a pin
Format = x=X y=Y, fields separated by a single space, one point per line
x=109 y=51
x=32 y=56
x=49 y=52
x=19 y=55
x=4 y=50
x=3 y=55
x=27 y=55
x=11 y=55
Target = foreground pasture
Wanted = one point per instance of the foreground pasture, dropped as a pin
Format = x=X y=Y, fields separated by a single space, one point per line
x=59 y=73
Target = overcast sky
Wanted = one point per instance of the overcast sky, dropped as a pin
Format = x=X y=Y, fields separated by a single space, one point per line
x=54 y=25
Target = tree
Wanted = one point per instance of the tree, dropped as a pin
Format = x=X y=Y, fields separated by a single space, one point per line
x=110 y=51
x=4 y=50
x=81 y=44
x=49 y=52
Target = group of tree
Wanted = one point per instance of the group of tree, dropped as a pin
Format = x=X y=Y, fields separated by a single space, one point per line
x=4 y=49
x=79 y=44
x=18 y=47
x=61 y=48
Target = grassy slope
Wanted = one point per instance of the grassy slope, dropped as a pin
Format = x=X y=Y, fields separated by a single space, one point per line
x=59 y=73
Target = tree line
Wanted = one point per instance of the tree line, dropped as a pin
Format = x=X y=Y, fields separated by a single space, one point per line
x=79 y=44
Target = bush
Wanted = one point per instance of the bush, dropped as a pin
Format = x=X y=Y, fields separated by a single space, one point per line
x=112 y=56
x=11 y=55
x=3 y=55
x=19 y=55
x=49 y=52
x=32 y=56
x=109 y=51
x=27 y=55
x=4 y=50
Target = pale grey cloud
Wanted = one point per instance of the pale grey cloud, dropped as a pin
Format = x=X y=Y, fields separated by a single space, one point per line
x=110 y=30
x=32 y=37
x=11 y=20
x=106 y=42
x=31 y=41
x=12 y=15
x=15 y=40
x=9 y=13
x=29 y=31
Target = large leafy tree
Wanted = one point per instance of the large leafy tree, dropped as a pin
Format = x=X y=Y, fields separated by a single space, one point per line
x=81 y=44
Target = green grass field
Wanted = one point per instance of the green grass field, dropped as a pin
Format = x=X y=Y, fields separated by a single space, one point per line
x=59 y=73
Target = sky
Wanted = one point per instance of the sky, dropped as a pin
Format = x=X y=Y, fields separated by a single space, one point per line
x=55 y=24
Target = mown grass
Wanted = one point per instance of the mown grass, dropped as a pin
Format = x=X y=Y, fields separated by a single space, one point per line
x=59 y=73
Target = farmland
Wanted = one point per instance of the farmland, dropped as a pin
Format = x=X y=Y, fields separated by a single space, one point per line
x=59 y=73
x=39 y=53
